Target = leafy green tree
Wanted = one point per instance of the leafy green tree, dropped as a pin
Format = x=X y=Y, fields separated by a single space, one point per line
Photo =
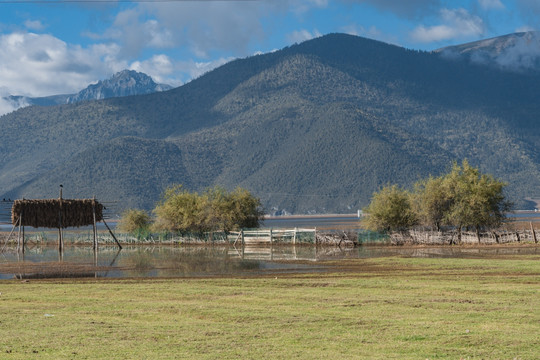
x=390 y=209
x=215 y=209
x=432 y=201
x=134 y=221
x=246 y=210
x=464 y=197
x=180 y=210
x=477 y=200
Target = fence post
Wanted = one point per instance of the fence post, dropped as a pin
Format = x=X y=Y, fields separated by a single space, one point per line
x=533 y=233
x=94 y=223
x=19 y=234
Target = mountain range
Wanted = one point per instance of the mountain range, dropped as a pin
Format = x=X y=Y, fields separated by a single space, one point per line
x=123 y=83
x=316 y=127
x=519 y=52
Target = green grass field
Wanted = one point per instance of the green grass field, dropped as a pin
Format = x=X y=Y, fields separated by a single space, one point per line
x=386 y=308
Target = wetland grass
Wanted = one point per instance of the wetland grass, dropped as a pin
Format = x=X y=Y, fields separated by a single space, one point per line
x=381 y=308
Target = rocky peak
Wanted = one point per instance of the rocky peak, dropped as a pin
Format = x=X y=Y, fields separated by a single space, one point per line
x=123 y=83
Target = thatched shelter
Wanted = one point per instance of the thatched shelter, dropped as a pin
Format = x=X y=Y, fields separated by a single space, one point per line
x=56 y=213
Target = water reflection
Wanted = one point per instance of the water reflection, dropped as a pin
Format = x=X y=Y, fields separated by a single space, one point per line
x=199 y=261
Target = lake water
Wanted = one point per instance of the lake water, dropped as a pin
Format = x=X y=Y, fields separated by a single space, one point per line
x=199 y=261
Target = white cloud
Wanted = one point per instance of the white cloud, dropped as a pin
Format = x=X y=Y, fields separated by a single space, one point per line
x=406 y=8
x=525 y=28
x=302 y=35
x=491 y=4
x=40 y=65
x=159 y=67
x=165 y=70
x=520 y=53
x=301 y=7
x=9 y=105
x=34 y=25
x=6 y=107
x=456 y=23
x=202 y=27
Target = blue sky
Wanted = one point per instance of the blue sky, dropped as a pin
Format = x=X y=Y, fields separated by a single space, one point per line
x=54 y=47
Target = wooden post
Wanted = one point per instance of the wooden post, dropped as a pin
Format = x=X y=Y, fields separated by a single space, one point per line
x=294 y=236
x=95 y=263
x=95 y=226
x=19 y=234
x=496 y=237
x=271 y=245
x=60 y=240
x=243 y=243
x=114 y=237
x=315 y=233
x=533 y=233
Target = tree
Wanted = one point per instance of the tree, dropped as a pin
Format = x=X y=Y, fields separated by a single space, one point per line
x=181 y=210
x=215 y=209
x=464 y=197
x=432 y=201
x=234 y=210
x=477 y=200
x=134 y=221
x=390 y=209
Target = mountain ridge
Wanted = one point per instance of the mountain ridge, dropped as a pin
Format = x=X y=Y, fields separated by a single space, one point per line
x=316 y=127
x=518 y=52
x=122 y=83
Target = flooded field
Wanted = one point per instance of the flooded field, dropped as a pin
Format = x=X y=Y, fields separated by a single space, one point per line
x=201 y=261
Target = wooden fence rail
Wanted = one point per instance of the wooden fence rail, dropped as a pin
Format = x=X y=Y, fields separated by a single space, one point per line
x=271 y=236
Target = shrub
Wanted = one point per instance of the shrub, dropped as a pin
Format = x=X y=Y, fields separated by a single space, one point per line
x=134 y=221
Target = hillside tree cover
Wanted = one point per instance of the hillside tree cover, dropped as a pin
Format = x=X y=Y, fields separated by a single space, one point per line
x=215 y=209
x=462 y=198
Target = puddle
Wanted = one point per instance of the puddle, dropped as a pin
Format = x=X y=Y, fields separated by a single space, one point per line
x=199 y=261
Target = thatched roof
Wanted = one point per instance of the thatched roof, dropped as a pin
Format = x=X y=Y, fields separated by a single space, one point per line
x=55 y=213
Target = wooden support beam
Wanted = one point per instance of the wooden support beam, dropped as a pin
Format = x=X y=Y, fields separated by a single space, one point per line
x=60 y=240
x=19 y=234
x=10 y=233
x=114 y=237
x=95 y=245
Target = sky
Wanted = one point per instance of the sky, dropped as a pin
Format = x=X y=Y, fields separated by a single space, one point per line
x=61 y=46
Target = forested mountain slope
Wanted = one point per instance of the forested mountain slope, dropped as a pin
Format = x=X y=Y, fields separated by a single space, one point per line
x=316 y=127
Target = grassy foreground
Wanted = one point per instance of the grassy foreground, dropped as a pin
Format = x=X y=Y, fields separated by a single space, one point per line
x=384 y=308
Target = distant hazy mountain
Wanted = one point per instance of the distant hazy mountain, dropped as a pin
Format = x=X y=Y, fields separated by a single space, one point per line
x=123 y=83
x=315 y=127
x=515 y=52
